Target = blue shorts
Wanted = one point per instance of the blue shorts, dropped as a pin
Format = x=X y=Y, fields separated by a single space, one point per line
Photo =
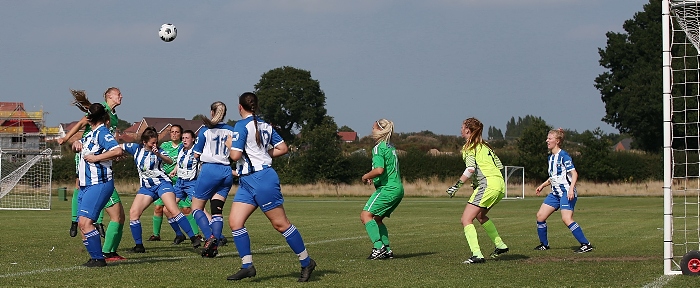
x=261 y=189
x=213 y=178
x=92 y=199
x=560 y=202
x=186 y=187
x=157 y=191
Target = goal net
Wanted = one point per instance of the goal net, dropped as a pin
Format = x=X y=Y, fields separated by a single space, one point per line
x=25 y=180
x=515 y=182
x=681 y=120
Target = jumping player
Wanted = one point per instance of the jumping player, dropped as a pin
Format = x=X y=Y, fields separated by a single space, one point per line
x=387 y=180
x=562 y=178
x=115 y=229
x=96 y=150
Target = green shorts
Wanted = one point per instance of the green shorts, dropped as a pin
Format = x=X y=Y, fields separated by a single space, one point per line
x=384 y=201
x=114 y=199
x=486 y=196
x=184 y=203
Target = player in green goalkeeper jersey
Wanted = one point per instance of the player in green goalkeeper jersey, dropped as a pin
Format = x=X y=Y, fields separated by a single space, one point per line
x=484 y=173
x=387 y=180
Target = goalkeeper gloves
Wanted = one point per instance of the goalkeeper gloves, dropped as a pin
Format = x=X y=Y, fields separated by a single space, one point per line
x=452 y=190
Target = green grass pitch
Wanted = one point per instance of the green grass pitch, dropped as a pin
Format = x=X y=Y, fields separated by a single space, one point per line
x=426 y=235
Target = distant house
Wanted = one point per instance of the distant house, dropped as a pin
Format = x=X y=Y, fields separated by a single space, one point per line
x=623 y=145
x=348 y=137
x=162 y=126
x=22 y=130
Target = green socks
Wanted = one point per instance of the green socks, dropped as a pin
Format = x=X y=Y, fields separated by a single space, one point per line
x=384 y=235
x=74 y=206
x=113 y=238
x=373 y=233
x=157 y=221
x=493 y=234
x=472 y=240
x=193 y=224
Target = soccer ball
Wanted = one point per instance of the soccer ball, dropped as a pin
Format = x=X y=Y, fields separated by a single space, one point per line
x=167 y=32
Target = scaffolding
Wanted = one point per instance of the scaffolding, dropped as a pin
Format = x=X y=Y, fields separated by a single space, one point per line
x=22 y=131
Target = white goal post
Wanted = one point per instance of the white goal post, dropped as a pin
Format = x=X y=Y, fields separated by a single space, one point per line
x=514 y=177
x=681 y=146
x=25 y=180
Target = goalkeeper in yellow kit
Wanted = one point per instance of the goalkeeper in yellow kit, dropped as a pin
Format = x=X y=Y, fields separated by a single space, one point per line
x=483 y=170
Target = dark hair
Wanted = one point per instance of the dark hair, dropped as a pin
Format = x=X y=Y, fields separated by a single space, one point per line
x=97 y=113
x=148 y=134
x=189 y=132
x=249 y=102
x=176 y=125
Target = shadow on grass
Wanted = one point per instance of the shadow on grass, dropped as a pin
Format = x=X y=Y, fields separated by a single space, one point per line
x=411 y=255
x=509 y=257
x=293 y=276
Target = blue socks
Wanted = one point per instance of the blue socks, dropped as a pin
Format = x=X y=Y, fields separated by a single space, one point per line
x=182 y=221
x=93 y=244
x=295 y=242
x=242 y=241
x=542 y=232
x=578 y=233
x=202 y=222
x=217 y=226
x=176 y=227
x=136 y=231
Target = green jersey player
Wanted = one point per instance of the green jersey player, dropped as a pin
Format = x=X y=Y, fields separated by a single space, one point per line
x=113 y=234
x=386 y=176
x=483 y=170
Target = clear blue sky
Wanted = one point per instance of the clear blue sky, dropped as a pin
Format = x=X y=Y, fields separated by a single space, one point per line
x=426 y=65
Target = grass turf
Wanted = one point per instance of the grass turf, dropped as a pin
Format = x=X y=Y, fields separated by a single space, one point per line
x=426 y=235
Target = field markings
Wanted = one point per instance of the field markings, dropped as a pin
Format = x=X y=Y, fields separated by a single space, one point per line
x=659 y=282
x=49 y=270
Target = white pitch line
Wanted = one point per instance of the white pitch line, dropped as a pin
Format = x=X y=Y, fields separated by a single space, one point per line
x=49 y=270
x=659 y=282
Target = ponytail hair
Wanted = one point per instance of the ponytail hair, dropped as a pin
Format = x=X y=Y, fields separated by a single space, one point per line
x=219 y=109
x=80 y=100
x=148 y=134
x=249 y=102
x=476 y=128
x=386 y=129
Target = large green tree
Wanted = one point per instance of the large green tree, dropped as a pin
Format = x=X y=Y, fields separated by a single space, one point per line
x=514 y=129
x=290 y=100
x=631 y=87
x=532 y=150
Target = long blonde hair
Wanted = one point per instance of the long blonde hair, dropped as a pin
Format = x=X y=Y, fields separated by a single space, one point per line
x=219 y=109
x=386 y=128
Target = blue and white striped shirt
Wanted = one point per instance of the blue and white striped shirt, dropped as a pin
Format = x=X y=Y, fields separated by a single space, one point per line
x=255 y=157
x=96 y=142
x=186 y=163
x=211 y=144
x=560 y=164
x=149 y=165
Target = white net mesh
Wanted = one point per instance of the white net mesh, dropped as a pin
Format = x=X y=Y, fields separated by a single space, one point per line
x=685 y=124
x=515 y=181
x=25 y=180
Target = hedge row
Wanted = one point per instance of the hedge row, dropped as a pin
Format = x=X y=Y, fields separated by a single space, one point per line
x=417 y=165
